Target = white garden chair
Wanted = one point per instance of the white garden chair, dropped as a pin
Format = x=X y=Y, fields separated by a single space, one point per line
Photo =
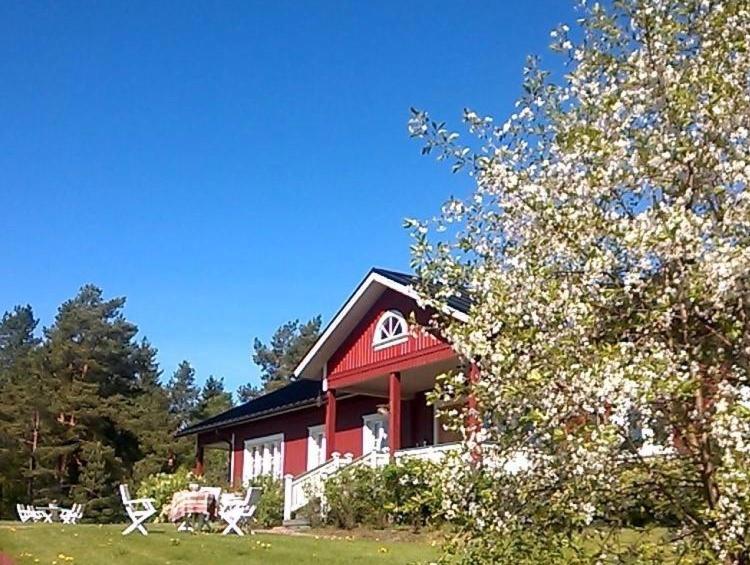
x=26 y=513
x=233 y=509
x=71 y=515
x=139 y=510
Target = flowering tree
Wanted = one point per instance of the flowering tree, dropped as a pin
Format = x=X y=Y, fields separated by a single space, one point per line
x=606 y=251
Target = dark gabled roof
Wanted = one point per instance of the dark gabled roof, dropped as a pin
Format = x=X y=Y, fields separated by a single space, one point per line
x=294 y=395
x=462 y=303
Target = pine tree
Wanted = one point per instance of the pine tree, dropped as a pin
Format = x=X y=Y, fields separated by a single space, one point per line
x=153 y=423
x=183 y=394
x=277 y=360
x=83 y=409
x=96 y=482
x=18 y=347
x=213 y=398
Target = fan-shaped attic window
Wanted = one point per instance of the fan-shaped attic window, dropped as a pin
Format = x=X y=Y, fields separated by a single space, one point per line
x=391 y=329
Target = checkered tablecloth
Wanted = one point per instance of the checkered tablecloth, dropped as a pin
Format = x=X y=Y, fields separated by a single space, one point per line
x=187 y=502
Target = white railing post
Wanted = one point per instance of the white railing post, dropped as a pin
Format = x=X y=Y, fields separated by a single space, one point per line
x=288 y=496
x=336 y=456
x=348 y=458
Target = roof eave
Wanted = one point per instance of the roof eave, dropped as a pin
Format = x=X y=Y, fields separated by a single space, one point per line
x=244 y=419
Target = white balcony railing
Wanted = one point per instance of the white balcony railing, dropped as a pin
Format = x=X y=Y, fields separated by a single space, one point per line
x=298 y=491
x=434 y=453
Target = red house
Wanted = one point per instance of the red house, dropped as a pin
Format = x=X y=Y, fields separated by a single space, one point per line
x=359 y=395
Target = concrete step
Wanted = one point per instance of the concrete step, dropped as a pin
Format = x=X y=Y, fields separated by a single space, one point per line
x=297 y=524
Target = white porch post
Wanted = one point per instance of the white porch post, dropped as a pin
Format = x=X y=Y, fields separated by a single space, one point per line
x=288 y=497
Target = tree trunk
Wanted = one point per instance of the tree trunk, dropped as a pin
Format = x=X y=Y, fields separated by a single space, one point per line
x=32 y=457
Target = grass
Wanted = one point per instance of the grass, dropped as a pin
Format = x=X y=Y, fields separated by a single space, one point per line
x=91 y=544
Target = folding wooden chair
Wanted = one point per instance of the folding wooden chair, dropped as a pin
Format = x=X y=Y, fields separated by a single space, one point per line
x=234 y=510
x=71 y=515
x=139 y=510
x=25 y=514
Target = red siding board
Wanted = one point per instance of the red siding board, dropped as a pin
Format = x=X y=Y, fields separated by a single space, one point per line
x=403 y=363
x=357 y=353
x=349 y=422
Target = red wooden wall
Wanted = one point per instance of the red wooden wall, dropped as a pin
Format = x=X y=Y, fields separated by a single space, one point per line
x=416 y=430
x=357 y=353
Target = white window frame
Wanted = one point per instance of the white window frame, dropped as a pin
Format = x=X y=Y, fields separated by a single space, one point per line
x=253 y=468
x=311 y=445
x=367 y=433
x=378 y=342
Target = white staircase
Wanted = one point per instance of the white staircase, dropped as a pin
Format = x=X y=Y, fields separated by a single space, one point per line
x=300 y=490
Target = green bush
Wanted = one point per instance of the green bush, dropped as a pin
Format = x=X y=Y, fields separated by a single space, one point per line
x=270 y=511
x=414 y=492
x=406 y=492
x=161 y=487
x=356 y=496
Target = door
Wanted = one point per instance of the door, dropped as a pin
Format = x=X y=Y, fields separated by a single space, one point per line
x=374 y=433
x=316 y=446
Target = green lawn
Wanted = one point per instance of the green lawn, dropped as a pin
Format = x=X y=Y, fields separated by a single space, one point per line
x=90 y=544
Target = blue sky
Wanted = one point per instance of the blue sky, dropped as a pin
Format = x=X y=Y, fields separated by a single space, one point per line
x=230 y=166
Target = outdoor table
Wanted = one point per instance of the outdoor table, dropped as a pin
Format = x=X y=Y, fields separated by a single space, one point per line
x=188 y=505
x=53 y=509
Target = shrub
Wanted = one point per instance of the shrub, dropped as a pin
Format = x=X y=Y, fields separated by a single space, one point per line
x=161 y=487
x=414 y=493
x=356 y=495
x=270 y=511
x=405 y=492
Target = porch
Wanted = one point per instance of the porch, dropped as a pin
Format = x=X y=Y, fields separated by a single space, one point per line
x=402 y=417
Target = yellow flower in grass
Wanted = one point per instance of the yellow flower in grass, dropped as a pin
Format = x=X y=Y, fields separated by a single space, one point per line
x=383 y=550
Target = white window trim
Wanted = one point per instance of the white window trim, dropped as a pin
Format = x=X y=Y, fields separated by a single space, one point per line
x=311 y=431
x=393 y=340
x=247 y=474
x=366 y=419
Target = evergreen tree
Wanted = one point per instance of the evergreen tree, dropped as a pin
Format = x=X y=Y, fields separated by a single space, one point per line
x=97 y=480
x=183 y=394
x=213 y=398
x=278 y=359
x=90 y=361
x=16 y=338
x=18 y=347
x=83 y=408
x=153 y=423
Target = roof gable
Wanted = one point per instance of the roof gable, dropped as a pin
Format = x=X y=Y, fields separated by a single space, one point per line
x=353 y=311
x=358 y=349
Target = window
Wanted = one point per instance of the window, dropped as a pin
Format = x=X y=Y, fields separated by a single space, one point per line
x=316 y=446
x=263 y=456
x=374 y=433
x=390 y=330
